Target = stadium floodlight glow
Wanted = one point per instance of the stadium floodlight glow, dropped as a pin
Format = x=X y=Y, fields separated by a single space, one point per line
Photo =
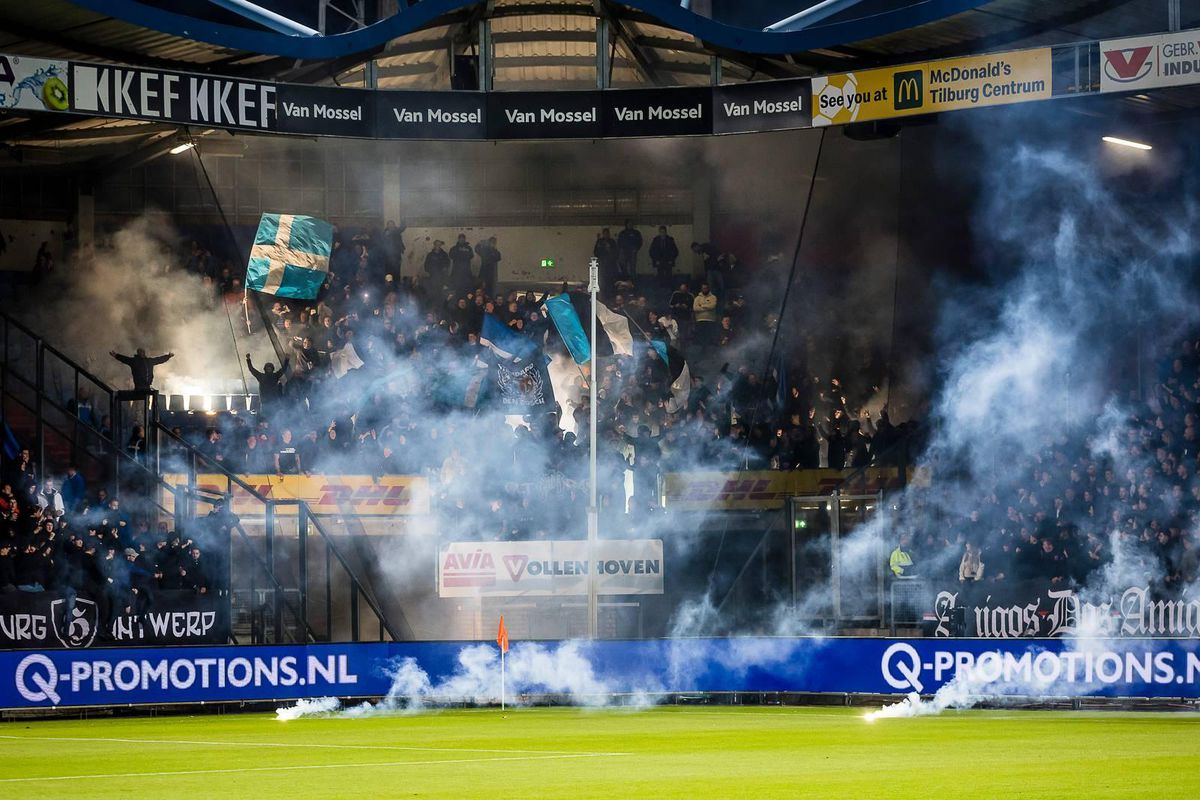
x=182 y=148
x=1126 y=143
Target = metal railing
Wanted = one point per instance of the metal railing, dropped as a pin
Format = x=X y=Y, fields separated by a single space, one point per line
x=33 y=378
x=273 y=551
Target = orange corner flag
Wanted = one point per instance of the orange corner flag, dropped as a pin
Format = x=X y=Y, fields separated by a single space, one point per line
x=502 y=636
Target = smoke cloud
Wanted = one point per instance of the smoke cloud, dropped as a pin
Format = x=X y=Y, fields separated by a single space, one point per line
x=133 y=293
x=530 y=669
x=1080 y=280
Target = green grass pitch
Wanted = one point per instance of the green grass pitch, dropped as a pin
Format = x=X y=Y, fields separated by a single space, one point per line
x=577 y=753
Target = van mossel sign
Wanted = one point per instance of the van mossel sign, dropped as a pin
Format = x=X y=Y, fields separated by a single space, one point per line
x=207 y=100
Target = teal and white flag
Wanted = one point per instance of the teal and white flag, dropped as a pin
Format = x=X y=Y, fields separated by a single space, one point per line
x=290 y=256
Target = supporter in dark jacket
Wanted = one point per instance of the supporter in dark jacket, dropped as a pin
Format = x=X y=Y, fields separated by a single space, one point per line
x=270 y=387
x=629 y=244
x=142 y=366
x=460 y=263
x=663 y=254
x=141 y=582
x=74 y=490
x=605 y=253
x=489 y=263
x=437 y=266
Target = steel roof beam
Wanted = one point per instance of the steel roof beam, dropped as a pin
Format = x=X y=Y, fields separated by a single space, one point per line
x=811 y=16
x=266 y=17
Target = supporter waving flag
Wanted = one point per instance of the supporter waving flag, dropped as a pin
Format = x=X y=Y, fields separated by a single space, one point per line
x=290 y=256
x=521 y=382
x=502 y=340
x=681 y=376
x=567 y=312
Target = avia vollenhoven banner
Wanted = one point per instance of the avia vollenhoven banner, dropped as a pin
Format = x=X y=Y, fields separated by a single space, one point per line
x=1035 y=609
x=60 y=620
x=514 y=569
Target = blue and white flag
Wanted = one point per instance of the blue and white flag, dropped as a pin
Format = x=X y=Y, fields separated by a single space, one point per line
x=290 y=256
x=614 y=335
x=566 y=321
x=521 y=381
x=681 y=376
x=504 y=341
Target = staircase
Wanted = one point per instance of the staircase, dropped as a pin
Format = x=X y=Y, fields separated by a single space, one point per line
x=271 y=547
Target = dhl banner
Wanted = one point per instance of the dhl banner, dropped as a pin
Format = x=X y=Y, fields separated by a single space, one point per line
x=925 y=88
x=359 y=495
x=763 y=490
x=1148 y=62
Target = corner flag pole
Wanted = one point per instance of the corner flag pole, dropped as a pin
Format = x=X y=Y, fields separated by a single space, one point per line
x=502 y=642
x=593 y=514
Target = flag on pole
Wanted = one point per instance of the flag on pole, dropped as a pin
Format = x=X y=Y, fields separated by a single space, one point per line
x=681 y=376
x=504 y=341
x=290 y=256
x=502 y=636
x=567 y=312
x=617 y=328
x=502 y=640
x=521 y=381
x=570 y=329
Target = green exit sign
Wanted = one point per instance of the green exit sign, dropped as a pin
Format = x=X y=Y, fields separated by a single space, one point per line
x=547 y=263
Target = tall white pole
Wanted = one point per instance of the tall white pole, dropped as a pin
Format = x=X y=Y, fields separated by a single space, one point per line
x=593 y=511
x=502 y=678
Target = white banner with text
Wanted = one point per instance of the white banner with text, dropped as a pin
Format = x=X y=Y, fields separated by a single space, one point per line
x=515 y=569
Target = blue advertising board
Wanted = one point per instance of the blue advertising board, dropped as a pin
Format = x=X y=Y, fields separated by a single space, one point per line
x=1113 y=668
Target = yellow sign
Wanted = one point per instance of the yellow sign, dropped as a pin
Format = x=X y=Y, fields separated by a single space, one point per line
x=358 y=495
x=761 y=490
x=932 y=86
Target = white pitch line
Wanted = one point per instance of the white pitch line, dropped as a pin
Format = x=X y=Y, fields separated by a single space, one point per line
x=194 y=742
x=172 y=773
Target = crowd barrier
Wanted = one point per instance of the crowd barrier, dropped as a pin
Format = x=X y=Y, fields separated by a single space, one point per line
x=1143 y=668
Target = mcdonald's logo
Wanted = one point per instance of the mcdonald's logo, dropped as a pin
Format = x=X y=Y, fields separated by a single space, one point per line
x=908 y=89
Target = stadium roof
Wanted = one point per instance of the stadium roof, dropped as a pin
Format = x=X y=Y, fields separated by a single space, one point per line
x=536 y=43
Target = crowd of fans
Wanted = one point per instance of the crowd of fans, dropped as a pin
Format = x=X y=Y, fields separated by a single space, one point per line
x=1061 y=517
x=373 y=383
x=374 y=375
x=59 y=536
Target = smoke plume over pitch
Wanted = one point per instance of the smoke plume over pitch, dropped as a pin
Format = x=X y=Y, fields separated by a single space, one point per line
x=1083 y=280
x=530 y=669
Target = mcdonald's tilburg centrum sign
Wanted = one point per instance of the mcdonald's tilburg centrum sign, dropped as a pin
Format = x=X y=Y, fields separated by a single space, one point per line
x=932 y=86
